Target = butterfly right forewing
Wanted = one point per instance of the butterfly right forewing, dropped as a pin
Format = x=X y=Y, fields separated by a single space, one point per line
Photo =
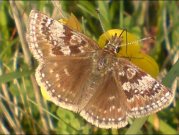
x=49 y=38
x=65 y=59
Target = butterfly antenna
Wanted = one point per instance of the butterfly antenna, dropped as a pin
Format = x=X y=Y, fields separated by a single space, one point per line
x=138 y=41
x=102 y=26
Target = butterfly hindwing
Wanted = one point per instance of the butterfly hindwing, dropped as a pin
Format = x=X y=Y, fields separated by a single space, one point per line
x=107 y=107
x=64 y=80
x=145 y=95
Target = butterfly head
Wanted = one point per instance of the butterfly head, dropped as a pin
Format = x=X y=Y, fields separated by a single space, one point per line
x=113 y=44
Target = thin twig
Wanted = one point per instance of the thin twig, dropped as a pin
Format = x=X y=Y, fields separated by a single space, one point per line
x=54 y=116
x=57 y=9
x=10 y=103
x=27 y=57
x=21 y=32
x=10 y=119
x=3 y=129
x=165 y=28
x=9 y=110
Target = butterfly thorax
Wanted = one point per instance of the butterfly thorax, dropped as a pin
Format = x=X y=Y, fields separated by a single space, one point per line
x=104 y=62
x=110 y=50
x=112 y=46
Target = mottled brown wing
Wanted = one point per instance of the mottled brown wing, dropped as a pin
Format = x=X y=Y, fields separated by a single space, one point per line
x=69 y=71
x=65 y=80
x=107 y=108
x=49 y=38
x=145 y=95
x=65 y=59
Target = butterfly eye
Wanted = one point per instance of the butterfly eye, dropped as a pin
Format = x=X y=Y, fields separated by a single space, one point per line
x=117 y=49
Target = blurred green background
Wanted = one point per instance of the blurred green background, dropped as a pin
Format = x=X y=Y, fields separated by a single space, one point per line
x=22 y=107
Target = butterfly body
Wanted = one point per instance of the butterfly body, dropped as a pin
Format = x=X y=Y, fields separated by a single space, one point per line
x=81 y=77
x=113 y=45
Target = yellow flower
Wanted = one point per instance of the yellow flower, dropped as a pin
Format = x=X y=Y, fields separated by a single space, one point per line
x=131 y=51
x=44 y=92
x=72 y=22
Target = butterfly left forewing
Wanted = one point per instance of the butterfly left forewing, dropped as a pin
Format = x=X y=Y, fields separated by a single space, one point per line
x=145 y=95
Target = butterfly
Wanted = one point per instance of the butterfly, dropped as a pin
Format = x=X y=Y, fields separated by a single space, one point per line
x=79 y=76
